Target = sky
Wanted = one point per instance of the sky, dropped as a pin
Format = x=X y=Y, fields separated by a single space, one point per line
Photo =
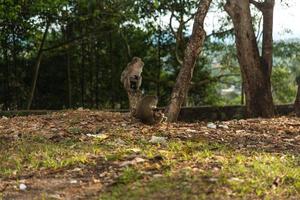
x=287 y=18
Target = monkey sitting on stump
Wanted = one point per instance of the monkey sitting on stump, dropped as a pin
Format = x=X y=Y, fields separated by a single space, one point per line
x=145 y=113
x=297 y=101
x=132 y=79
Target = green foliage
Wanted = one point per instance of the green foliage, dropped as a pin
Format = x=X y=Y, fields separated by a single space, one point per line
x=283 y=85
x=90 y=42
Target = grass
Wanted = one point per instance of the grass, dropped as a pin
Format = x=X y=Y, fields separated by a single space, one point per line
x=201 y=170
x=35 y=153
x=189 y=169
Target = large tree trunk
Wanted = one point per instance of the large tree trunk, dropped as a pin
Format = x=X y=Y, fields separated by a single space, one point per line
x=256 y=74
x=191 y=53
x=297 y=101
x=37 y=66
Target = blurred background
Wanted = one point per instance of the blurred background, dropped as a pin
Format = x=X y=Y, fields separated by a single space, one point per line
x=77 y=50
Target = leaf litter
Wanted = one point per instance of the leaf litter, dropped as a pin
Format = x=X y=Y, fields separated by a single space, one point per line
x=118 y=149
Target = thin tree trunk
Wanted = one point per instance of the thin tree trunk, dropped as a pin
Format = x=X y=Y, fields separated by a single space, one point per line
x=159 y=64
x=15 y=95
x=256 y=78
x=91 y=70
x=82 y=74
x=113 y=71
x=97 y=77
x=69 y=80
x=267 y=45
x=37 y=66
x=297 y=101
x=7 y=79
x=243 y=94
x=191 y=54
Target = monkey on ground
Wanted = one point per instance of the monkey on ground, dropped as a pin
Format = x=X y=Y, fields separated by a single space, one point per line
x=145 y=113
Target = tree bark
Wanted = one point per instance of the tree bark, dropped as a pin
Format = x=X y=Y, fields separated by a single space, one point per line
x=191 y=54
x=37 y=66
x=7 y=96
x=267 y=45
x=69 y=79
x=97 y=57
x=243 y=94
x=158 y=63
x=67 y=33
x=112 y=70
x=82 y=74
x=256 y=72
x=15 y=95
x=297 y=101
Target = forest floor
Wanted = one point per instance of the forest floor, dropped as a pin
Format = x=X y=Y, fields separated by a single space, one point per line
x=85 y=154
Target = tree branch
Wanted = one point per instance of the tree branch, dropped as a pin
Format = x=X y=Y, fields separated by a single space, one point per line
x=171 y=25
x=258 y=5
x=177 y=38
x=220 y=33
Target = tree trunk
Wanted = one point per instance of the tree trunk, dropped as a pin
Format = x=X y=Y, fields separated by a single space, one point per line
x=297 y=101
x=243 y=94
x=7 y=90
x=256 y=75
x=97 y=77
x=112 y=71
x=267 y=10
x=37 y=66
x=191 y=53
x=67 y=33
x=69 y=79
x=158 y=63
x=15 y=95
x=82 y=74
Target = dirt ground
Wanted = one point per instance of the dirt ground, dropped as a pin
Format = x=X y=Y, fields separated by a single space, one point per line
x=86 y=154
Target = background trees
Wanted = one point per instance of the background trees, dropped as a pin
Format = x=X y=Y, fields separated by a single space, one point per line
x=191 y=54
x=255 y=69
x=90 y=42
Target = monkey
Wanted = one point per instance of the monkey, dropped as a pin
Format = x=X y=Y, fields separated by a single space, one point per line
x=145 y=113
x=131 y=76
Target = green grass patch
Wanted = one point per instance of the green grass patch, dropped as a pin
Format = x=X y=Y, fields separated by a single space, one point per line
x=33 y=153
x=204 y=170
x=195 y=169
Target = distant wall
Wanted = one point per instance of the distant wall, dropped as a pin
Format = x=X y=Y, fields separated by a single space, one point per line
x=214 y=113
